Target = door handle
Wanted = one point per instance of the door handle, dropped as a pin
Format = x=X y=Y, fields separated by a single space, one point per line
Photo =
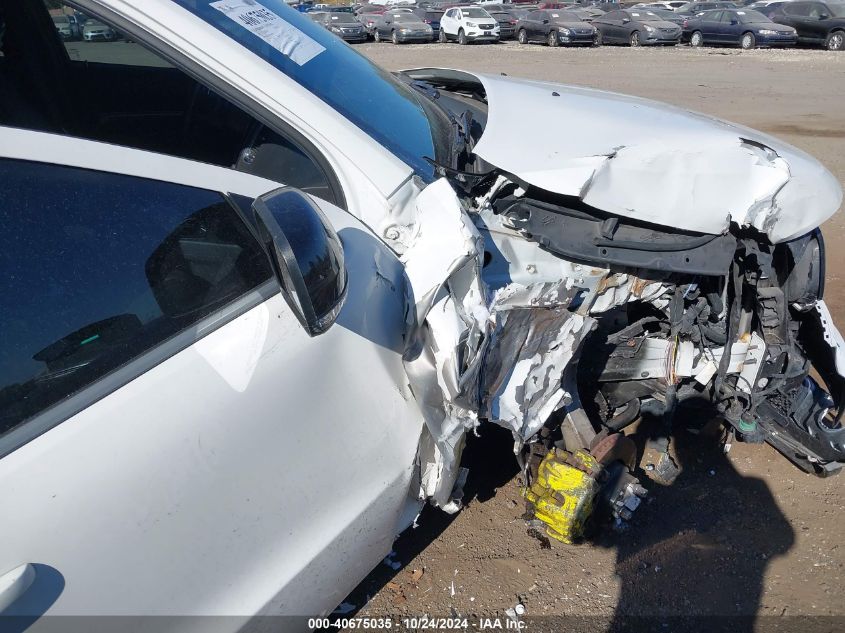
x=13 y=584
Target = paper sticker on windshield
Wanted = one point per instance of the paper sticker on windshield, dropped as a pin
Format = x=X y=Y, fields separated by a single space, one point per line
x=278 y=33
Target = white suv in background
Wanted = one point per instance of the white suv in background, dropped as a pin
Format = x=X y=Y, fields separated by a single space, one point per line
x=468 y=24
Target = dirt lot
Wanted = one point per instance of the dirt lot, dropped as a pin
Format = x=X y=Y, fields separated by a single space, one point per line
x=742 y=534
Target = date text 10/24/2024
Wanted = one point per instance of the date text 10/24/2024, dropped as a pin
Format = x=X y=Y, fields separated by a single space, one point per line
x=421 y=623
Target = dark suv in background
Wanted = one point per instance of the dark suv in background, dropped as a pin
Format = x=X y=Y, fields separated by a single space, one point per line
x=818 y=23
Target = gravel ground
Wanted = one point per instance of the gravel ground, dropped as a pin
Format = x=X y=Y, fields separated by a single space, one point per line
x=742 y=534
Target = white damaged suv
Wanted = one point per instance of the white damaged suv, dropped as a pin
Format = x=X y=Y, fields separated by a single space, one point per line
x=258 y=290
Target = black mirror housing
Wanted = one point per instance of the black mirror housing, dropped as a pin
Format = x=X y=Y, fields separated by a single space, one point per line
x=306 y=254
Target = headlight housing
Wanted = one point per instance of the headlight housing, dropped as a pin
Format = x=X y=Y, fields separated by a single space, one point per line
x=649 y=29
x=565 y=31
x=767 y=32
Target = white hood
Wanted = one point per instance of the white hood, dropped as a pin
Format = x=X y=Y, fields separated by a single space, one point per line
x=653 y=162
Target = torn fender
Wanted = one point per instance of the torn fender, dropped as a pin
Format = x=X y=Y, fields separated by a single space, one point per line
x=653 y=162
x=472 y=353
x=447 y=304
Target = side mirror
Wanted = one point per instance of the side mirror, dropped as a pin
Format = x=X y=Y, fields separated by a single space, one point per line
x=626 y=20
x=824 y=16
x=734 y=21
x=545 y=21
x=306 y=254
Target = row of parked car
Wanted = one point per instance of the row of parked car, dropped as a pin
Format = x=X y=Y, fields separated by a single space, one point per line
x=761 y=23
x=77 y=26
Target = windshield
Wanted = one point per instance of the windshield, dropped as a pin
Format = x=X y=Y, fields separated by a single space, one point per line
x=395 y=115
x=750 y=17
x=406 y=17
x=566 y=16
x=474 y=13
x=646 y=16
x=346 y=19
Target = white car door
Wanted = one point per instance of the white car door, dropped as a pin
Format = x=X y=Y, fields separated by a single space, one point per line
x=173 y=441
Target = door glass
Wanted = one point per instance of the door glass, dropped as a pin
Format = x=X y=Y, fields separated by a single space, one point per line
x=799 y=9
x=109 y=88
x=88 y=39
x=99 y=268
x=817 y=10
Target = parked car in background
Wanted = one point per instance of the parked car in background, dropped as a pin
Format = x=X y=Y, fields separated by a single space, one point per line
x=588 y=14
x=507 y=23
x=817 y=23
x=370 y=8
x=636 y=28
x=368 y=21
x=766 y=7
x=94 y=31
x=401 y=28
x=691 y=8
x=745 y=28
x=670 y=16
x=64 y=27
x=737 y=27
x=468 y=24
x=345 y=25
x=431 y=17
x=669 y=6
x=555 y=28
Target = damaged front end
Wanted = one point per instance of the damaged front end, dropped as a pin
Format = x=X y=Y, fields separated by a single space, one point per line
x=565 y=296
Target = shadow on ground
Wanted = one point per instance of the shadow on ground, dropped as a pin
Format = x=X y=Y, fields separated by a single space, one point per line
x=696 y=555
x=694 y=558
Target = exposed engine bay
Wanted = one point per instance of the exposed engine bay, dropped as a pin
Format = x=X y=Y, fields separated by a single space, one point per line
x=567 y=324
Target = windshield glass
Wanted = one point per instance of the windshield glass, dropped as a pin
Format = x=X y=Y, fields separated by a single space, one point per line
x=344 y=18
x=392 y=113
x=474 y=13
x=750 y=17
x=567 y=16
x=406 y=17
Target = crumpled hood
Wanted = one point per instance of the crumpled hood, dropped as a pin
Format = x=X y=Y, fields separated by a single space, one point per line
x=652 y=162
